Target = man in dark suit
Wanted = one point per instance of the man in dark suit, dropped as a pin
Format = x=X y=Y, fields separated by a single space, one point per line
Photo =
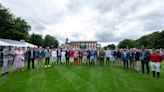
x=102 y=55
x=125 y=57
x=145 y=60
x=31 y=57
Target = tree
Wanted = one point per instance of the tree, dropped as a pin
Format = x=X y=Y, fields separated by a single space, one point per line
x=12 y=27
x=50 y=41
x=127 y=43
x=36 y=39
x=110 y=46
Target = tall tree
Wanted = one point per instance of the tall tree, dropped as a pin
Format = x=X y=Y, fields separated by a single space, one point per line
x=110 y=46
x=127 y=43
x=50 y=41
x=12 y=27
x=36 y=39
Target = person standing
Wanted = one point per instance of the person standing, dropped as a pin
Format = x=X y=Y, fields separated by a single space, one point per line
x=85 y=57
x=135 y=59
x=5 y=68
x=118 y=57
x=107 y=54
x=63 y=56
x=76 y=57
x=47 y=57
x=98 y=56
x=54 y=56
x=88 y=57
x=67 y=56
x=80 y=56
x=145 y=60
x=31 y=57
x=92 y=57
x=102 y=55
x=40 y=55
x=125 y=57
x=19 y=59
x=155 y=60
x=71 y=56
x=59 y=55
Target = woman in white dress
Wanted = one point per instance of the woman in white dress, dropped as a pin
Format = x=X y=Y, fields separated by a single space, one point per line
x=19 y=59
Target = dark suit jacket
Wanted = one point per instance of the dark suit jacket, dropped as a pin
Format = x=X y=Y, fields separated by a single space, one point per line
x=29 y=55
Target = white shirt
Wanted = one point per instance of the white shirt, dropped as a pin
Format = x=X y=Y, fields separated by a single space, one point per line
x=54 y=53
x=107 y=53
x=63 y=54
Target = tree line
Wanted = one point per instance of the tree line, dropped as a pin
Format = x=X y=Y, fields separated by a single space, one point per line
x=16 y=28
x=153 y=40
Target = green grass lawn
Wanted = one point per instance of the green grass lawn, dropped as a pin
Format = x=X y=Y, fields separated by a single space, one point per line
x=81 y=79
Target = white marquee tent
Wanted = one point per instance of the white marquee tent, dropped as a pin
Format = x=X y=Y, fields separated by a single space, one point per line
x=8 y=42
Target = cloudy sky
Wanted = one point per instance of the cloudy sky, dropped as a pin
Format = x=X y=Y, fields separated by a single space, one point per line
x=106 y=21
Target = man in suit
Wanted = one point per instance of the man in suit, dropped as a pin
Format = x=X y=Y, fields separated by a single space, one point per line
x=145 y=60
x=102 y=55
x=67 y=56
x=125 y=57
x=98 y=56
x=59 y=55
x=31 y=57
x=135 y=59
x=40 y=55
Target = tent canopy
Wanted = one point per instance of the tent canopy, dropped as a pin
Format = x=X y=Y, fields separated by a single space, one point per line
x=4 y=43
x=8 y=42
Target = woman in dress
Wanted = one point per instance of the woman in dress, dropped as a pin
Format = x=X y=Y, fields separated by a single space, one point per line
x=19 y=59
x=76 y=57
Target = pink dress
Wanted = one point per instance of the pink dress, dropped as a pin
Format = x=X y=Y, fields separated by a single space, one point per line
x=19 y=59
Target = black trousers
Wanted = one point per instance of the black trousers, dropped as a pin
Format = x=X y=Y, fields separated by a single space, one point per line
x=80 y=60
x=143 y=63
x=101 y=62
x=107 y=60
x=47 y=61
x=125 y=61
x=67 y=60
x=28 y=63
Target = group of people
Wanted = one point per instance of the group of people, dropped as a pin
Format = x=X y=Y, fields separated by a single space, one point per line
x=57 y=56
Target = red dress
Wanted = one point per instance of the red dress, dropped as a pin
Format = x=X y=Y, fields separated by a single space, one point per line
x=75 y=57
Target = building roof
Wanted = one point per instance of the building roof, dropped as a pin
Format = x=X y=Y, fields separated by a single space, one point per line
x=83 y=41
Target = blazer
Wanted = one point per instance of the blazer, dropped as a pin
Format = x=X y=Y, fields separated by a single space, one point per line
x=29 y=54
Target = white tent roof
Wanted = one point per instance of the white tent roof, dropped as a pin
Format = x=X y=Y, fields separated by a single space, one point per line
x=4 y=43
x=30 y=45
x=8 y=42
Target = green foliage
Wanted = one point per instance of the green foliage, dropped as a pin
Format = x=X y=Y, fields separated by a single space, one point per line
x=50 y=41
x=15 y=28
x=36 y=39
x=12 y=27
x=127 y=43
x=154 y=40
x=110 y=46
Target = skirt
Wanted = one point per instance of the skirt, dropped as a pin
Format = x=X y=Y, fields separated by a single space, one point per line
x=19 y=62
